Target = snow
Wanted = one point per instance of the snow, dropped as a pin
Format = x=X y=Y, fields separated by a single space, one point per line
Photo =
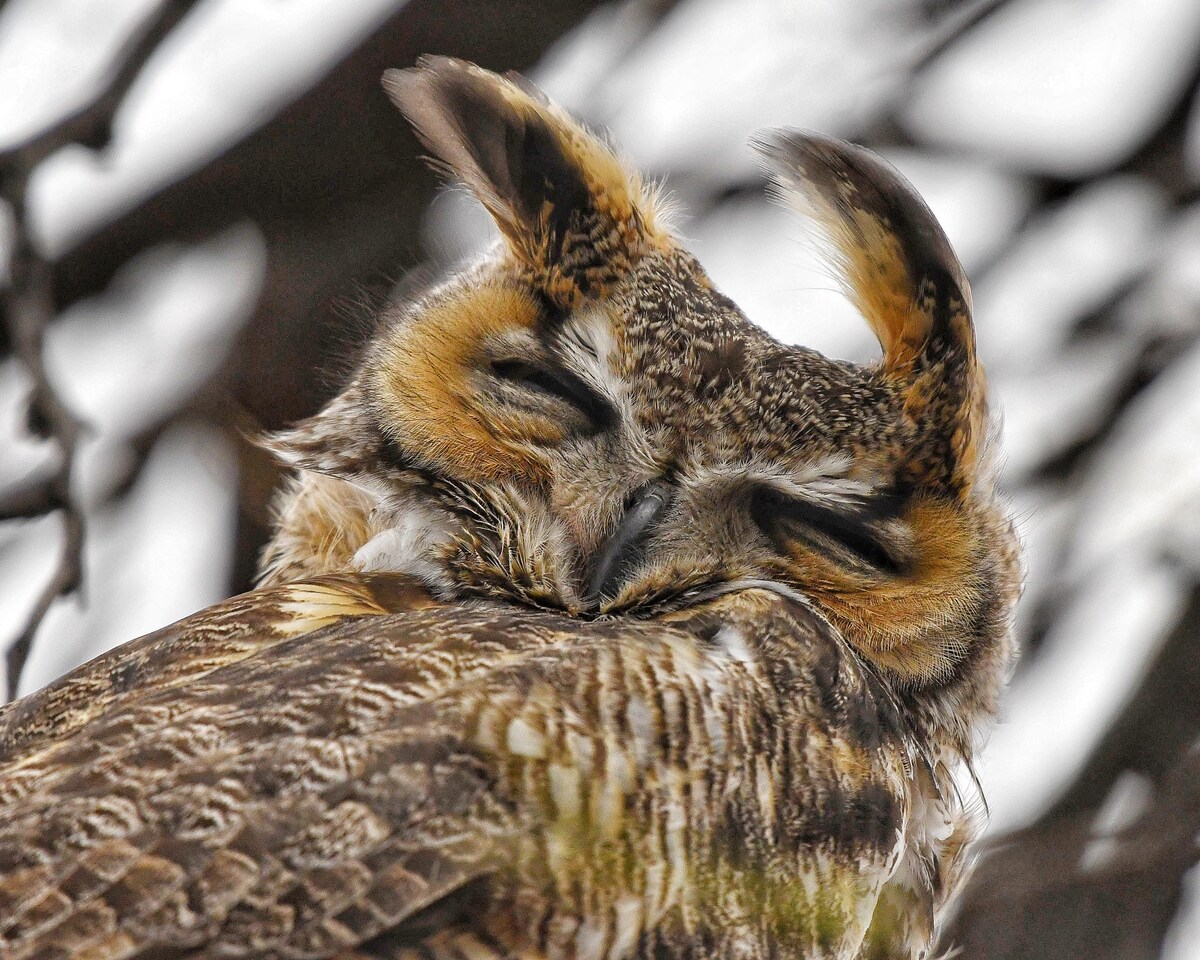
x=224 y=71
x=773 y=264
x=1168 y=303
x=1089 y=664
x=1143 y=492
x=770 y=262
x=1037 y=89
x=1070 y=261
x=128 y=360
x=1127 y=800
x=1043 y=515
x=24 y=455
x=28 y=553
x=160 y=553
x=456 y=226
x=979 y=205
x=1059 y=87
x=827 y=64
x=581 y=61
x=1048 y=407
x=53 y=55
x=136 y=353
x=1118 y=555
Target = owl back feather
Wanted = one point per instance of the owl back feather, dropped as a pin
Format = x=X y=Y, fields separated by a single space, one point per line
x=781 y=587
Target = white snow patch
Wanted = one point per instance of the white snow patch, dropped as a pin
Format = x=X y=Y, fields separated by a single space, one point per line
x=1060 y=87
x=1167 y=304
x=581 y=61
x=24 y=454
x=770 y=262
x=1061 y=703
x=1143 y=492
x=226 y=70
x=774 y=263
x=133 y=355
x=1044 y=516
x=1072 y=260
x=1128 y=798
x=703 y=82
x=53 y=55
x=456 y=227
x=1050 y=405
x=155 y=556
x=1183 y=936
x=979 y=205
x=29 y=552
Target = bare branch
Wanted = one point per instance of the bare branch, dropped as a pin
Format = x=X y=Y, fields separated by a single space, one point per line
x=29 y=499
x=1073 y=888
x=953 y=28
x=28 y=304
x=1060 y=888
x=28 y=310
x=91 y=123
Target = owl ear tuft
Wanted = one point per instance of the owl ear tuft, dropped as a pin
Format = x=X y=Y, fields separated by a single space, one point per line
x=572 y=214
x=899 y=270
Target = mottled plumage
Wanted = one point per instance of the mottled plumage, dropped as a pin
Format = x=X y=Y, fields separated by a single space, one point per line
x=594 y=784
x=597 y=624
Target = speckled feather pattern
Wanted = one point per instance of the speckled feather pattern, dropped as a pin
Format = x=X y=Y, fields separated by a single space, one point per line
x=444 y=729
x=588 y=782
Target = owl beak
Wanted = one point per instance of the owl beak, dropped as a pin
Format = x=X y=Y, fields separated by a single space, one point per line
x=622 y=551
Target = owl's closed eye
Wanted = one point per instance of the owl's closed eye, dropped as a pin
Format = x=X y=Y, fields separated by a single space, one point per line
x=597 y=624
x=502 y=431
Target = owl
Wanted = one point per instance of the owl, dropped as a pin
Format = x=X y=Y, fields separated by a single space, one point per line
x=596 y=623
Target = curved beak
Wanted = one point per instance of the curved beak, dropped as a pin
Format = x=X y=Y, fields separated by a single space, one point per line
x=621 y=553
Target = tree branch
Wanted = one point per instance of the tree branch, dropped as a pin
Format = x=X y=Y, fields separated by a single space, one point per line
x=953 y=28
x=28 y=304
x=91 y=123
x=1075 y=888
x=1063 y=889
x=28 y=310
x=29 y=499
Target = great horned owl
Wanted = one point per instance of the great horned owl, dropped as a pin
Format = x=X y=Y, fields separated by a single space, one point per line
x=597 y=623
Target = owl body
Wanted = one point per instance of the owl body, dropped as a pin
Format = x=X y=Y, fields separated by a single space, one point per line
x=596 y=625
x=556 y=789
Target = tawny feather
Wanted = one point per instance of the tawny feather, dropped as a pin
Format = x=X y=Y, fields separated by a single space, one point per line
x=622 y=631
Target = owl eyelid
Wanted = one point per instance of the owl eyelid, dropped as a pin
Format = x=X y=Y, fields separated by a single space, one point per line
x=560 y=384
x=855 y=534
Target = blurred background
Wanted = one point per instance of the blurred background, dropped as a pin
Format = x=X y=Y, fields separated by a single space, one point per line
x=203 y=198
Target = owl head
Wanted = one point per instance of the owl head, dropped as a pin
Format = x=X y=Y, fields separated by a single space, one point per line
x=581 y=420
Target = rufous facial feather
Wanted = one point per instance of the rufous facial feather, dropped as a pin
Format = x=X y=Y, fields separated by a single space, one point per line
x=867 y=491
x=596 y=625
